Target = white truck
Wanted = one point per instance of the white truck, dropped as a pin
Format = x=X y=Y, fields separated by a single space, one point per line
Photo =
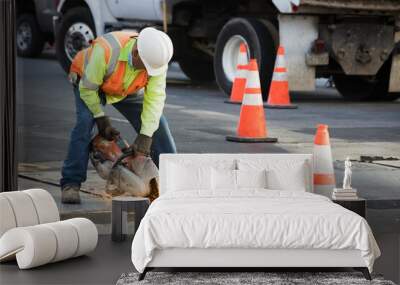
x=356 y=42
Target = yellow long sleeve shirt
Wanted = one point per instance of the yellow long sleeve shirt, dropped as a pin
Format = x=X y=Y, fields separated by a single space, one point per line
x=154 y=91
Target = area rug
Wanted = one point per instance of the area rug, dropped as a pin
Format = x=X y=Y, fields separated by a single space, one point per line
x=243 y=278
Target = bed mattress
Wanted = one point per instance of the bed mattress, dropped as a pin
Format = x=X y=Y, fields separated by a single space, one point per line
x=250 y=219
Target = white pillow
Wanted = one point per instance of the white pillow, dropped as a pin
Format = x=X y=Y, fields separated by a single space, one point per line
x=188 y=174
x=291 y=180
x=251 y=178
x=227 y=179
x=223 y=179
x=291 y=175
x=188 y=177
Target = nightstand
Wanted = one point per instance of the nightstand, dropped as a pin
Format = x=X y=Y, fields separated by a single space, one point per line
x=358 y=205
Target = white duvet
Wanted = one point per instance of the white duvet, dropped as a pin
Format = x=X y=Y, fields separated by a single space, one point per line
x=250 y=219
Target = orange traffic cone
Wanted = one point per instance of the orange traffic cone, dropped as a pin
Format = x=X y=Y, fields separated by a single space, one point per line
x=324 y=176
x=278 y=96
x=252 y=126
x=239 y=83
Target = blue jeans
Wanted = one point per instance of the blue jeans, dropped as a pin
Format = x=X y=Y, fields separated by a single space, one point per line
x=75 y=165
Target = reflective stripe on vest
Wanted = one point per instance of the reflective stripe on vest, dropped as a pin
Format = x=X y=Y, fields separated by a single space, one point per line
x=85 y=81
x=115 y=49
x=112 y=44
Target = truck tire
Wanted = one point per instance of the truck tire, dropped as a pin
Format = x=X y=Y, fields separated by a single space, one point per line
x=196 y=65
x=30 y=40
x=366 y=88
x=74 y=34
x=261 y=43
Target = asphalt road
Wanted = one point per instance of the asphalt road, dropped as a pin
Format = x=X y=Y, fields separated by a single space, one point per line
x=199 y=119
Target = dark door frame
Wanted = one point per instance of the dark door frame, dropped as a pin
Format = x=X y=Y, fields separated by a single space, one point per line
x=8 y=132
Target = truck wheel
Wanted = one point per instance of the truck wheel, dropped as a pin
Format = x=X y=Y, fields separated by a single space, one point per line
x=197 y=65
x=366 y=88
x=75 y=33
x=30 y=41
x=261 y=44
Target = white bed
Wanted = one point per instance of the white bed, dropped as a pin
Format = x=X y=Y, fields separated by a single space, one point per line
x=202 y=220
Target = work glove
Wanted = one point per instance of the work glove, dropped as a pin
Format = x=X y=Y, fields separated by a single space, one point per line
x=105 y=128
x=141 y=145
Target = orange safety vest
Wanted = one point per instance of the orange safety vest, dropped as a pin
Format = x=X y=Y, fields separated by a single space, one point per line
x=114 y=77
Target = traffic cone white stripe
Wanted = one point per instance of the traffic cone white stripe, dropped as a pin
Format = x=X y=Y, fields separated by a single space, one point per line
x=280 y=76
x=325 y=190
x=253 y=80
x=280 y=61
x=252 y=100
x=324 y=166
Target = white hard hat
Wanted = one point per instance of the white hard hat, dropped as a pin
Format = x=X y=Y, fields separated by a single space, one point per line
x=155 y=50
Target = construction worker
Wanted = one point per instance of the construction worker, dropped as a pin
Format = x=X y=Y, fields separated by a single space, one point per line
x=112 y=71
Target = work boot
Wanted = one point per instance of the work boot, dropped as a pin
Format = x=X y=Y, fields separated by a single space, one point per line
x=70 y=194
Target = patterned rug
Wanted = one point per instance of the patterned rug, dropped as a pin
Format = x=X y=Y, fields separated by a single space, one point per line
x=243 y=278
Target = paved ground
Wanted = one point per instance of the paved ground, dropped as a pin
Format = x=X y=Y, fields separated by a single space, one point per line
x=199 y=121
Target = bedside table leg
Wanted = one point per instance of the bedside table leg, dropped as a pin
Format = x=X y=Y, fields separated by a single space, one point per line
x=116 y=221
